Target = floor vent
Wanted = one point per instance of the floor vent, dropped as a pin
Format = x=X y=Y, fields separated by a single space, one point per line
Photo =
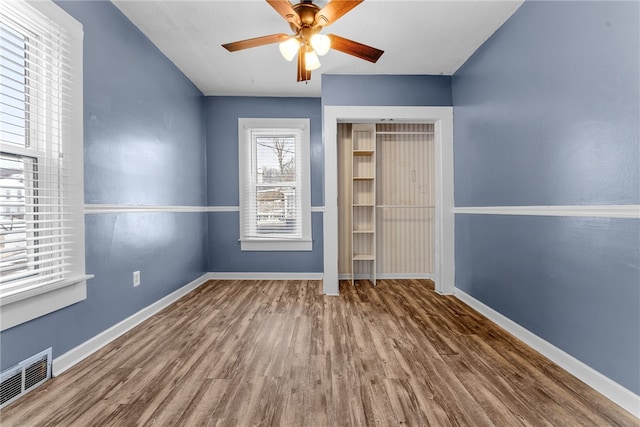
x=24 y=377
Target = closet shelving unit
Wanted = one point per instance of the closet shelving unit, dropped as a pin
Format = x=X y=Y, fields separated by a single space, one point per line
x=363 y=201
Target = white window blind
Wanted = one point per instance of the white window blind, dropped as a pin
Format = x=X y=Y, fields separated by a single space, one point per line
x=274 y=168
x=41 y=191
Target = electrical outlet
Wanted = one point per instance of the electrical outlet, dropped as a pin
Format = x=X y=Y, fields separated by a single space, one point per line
x=136 y=278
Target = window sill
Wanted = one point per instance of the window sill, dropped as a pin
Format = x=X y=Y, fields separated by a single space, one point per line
x=276 y=245
x=22 y=306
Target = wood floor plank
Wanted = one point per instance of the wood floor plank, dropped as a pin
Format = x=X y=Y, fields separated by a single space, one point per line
x=279 y=353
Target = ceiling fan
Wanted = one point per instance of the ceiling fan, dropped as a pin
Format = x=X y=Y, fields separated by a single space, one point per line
x=307 y=20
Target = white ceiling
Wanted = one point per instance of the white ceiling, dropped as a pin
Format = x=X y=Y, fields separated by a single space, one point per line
x=418 y=37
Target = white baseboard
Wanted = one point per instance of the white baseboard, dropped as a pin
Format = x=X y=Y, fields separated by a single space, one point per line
x=79 y=353
x=605 y=386
x=264 y=276
x=382 y=276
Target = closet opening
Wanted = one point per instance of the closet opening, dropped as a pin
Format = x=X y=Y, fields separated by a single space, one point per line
x=388 y=195
x=386 y=201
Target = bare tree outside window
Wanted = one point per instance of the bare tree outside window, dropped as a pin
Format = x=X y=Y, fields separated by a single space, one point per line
x=276 y=159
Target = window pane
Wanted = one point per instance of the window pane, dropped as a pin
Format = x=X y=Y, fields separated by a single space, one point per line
x=13 y=122
x=13 y=215
x=276 y=210
x=275 y=160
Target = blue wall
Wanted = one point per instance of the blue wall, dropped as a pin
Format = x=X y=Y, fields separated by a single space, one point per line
x=222 y=115
x=547 y=112
x=386 y=90
x=144 y=144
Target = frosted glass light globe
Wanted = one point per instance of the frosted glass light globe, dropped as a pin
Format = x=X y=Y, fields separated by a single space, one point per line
x=289 y=48
x=320 y=43
x=311 y=61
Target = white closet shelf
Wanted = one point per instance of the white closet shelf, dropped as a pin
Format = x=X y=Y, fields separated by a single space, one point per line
x=363 y=152
x=364 y=257
x=363 y=205
x=363 y=231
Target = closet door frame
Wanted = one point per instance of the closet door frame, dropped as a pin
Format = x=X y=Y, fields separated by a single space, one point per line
x=442 y=118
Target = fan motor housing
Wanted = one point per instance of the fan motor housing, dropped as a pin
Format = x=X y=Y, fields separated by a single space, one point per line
x=307 y=13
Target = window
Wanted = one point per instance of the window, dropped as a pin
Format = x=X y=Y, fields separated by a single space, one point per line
x=41 y=197
x=275 y=202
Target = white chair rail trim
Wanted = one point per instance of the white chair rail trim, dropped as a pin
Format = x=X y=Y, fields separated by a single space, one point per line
x=603 y=211
x=90 y=209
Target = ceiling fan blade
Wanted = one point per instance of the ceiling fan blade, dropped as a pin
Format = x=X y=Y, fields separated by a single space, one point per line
x=303 y=73
x=334 y=10
x=285 y=9
x=359 y=50
x=255 y=42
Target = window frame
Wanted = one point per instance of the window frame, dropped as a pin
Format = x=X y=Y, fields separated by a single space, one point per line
x=30 y=301
x=248 y=130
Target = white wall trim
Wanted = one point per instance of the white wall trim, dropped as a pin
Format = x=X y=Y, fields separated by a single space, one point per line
x=84 y=350
x=442 y=117
x=107 y=209
x=606 y=211
x=607 y=387
x=222 y=209
x=263 y=276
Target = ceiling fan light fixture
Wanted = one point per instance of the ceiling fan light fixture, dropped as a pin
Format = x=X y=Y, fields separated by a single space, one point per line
x=321 y=43
x=289 y=48
x=311 y=61
x=307 y=20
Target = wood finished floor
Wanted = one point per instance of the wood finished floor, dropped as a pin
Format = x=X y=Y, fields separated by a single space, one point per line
x=279 y=353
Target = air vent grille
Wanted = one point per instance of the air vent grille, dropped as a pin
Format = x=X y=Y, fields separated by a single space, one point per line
x=10 y=388
x=26 y=375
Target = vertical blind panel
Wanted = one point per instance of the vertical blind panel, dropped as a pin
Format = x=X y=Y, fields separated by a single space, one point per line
x=273 y=208
x=405 y=240
x=36 y=190
x=405 y=165
x=406 y=195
